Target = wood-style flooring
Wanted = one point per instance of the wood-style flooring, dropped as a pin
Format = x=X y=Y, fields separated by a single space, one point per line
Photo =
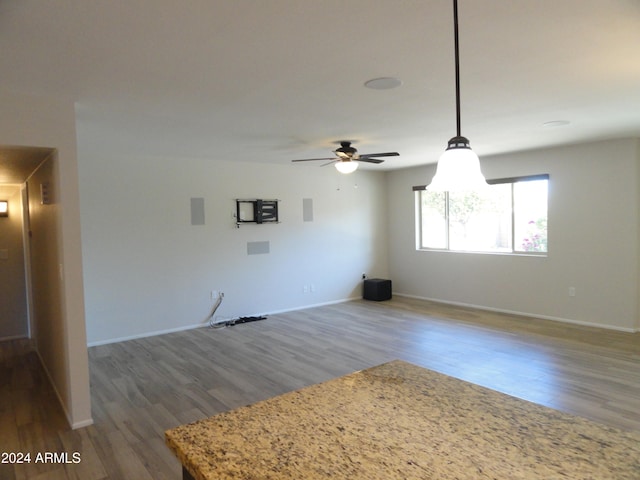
x=142 y=387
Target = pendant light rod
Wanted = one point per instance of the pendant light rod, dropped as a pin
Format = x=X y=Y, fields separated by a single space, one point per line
x=458 y=168
x=457 y=63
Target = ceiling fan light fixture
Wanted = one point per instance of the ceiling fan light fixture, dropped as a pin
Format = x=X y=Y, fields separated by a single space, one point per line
x=347 y=157
x=346 y=166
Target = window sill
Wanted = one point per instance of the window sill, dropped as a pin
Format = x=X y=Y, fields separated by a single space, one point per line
x=473 y=252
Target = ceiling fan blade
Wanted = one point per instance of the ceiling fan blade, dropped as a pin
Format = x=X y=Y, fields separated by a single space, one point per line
x=347 y=153
x=329 y=163
x=313 y=159
x=387 y=154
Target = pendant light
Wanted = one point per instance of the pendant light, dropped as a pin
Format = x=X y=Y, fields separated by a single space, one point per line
x=458 y=167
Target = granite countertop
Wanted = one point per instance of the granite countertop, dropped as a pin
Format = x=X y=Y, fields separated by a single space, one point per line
x=401 y=421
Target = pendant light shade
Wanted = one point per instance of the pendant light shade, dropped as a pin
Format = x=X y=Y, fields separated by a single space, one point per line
x=346 y=166
x=458 y=167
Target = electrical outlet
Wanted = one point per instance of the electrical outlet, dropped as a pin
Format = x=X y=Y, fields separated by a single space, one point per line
x=572 y=291
x=305 y=289
x=312 y=287
x=364 y=276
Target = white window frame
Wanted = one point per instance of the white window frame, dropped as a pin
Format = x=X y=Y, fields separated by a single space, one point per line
x=509 y=180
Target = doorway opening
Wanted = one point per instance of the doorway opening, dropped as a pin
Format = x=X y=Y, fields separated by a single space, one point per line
x=18 y=165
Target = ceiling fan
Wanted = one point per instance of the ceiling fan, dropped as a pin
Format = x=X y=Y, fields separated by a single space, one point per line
x=347 y=158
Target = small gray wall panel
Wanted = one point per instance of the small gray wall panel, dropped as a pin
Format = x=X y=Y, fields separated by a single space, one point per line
x=257 y=248
x=197 y=211
x=307 y=209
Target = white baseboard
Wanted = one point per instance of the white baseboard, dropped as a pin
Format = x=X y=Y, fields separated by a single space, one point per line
x=70 y=422
x=153 y=333
x=82 y=424
x=314 y=305
x=525 y=314
x=14 y=337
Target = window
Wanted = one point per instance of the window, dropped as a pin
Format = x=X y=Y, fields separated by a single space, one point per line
x=508 y=217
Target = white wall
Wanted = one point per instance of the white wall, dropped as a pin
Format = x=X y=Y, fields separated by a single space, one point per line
x=593 y=240
x=148 y=270
x=27 y=120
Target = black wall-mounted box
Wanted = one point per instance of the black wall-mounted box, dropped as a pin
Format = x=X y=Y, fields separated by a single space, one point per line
x=256 y=211
x=377 y=289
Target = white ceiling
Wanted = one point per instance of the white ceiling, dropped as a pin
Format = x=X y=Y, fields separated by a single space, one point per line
x=274 y=80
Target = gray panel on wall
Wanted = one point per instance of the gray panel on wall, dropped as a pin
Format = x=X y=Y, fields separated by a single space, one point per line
x=307 y=209
x=197 y=211
x=257 y=248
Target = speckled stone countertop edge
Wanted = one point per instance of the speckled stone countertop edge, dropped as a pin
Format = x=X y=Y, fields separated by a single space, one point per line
x=399 y=420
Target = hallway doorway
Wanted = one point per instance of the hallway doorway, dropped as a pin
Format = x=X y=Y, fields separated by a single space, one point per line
x=17 y=165
x=14 y=312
